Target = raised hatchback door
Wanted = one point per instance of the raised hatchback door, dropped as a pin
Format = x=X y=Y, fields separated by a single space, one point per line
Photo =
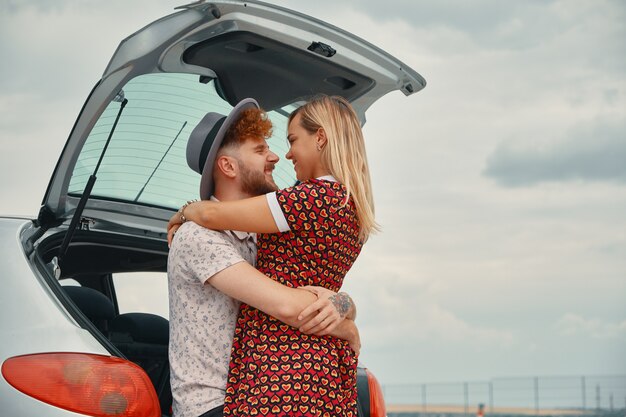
x=162 y=79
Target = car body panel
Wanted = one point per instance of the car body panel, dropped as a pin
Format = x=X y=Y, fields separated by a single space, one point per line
x=29 y=309
x=57 y=329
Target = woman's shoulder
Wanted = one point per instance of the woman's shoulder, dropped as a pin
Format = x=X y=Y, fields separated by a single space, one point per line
x=325 y=198
x=322 y=186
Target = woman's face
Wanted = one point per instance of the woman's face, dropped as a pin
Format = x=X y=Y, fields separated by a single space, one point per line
x=303 y=151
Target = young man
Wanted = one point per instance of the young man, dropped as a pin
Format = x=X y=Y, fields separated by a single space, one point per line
x=208 y=271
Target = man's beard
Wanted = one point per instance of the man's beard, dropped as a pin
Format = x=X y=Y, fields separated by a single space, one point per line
x=254 y=182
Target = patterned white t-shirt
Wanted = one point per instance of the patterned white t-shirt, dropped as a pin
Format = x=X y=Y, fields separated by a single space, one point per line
x=202 y=319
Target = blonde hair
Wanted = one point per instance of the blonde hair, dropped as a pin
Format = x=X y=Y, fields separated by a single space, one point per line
x=344 y=153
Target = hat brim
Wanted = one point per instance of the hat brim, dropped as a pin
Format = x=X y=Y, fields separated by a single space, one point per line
x=206 y=181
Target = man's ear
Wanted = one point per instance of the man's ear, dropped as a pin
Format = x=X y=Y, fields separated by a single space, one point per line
x=227 y=166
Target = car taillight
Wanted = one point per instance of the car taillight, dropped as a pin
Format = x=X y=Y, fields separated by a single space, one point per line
x=84 y=383
x=377 y=400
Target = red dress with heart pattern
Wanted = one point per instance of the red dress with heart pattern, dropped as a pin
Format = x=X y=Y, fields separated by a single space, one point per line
x=275 y=369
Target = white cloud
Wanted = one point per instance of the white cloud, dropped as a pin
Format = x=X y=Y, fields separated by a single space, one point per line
x=448 y=327
x=571 y=324
x=592 y=154
x=399 y=305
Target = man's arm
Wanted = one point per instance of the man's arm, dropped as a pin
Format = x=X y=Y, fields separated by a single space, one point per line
x=340 y=302
x=245 y=283
x=348 y=329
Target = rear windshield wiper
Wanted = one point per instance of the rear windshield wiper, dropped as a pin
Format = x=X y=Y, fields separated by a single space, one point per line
x=159 y=164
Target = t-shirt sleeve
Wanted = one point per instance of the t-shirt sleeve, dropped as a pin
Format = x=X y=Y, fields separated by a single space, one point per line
x=277 y=212
x=300 y=207
x=207 y=252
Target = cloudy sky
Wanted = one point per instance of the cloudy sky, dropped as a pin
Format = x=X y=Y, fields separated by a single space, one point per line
x=501 y=187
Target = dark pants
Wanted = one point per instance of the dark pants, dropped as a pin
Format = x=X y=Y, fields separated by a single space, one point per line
x=216 y=412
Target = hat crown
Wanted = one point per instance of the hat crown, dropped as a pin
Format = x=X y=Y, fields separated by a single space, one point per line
x=205 y=140
x=201 y=139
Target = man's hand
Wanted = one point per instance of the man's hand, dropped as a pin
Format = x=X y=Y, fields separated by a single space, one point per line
x=355 y=341
x=327 y=312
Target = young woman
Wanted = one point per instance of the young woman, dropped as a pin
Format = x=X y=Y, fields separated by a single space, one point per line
x=310 y=234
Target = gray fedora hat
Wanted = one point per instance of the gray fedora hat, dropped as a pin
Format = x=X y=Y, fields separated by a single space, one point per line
x=205 y=140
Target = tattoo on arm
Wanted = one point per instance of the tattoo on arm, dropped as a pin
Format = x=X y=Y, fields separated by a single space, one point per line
x=342 y=303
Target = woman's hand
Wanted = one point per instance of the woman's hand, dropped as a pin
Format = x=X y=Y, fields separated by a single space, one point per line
x=172 y=226
x=171 y=231
x=327 y=312
x=176 y=220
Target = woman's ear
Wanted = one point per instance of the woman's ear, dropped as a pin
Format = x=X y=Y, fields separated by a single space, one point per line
x=321 y=139
x=227 y=166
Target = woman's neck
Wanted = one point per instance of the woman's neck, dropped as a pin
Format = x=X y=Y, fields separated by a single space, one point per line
x=321 y=172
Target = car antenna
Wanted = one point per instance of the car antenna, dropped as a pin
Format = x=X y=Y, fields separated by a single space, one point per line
x=119 y=97
x=159 y=164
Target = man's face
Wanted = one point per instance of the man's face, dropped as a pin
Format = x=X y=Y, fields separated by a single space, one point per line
x=256 y=165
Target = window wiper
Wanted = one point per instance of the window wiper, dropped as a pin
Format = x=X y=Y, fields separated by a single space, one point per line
x=86 y=194
x=159 y=164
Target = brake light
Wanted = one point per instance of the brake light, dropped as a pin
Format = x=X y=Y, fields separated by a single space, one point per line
x=90 y=384
x=377 y=400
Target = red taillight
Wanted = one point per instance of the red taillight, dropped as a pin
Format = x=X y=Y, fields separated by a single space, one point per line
x=84 y=383
x=377 y=400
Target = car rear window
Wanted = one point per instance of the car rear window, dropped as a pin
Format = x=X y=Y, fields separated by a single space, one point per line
x=145 y=161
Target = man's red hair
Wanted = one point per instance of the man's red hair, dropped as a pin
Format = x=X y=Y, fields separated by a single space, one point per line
x=251 y=123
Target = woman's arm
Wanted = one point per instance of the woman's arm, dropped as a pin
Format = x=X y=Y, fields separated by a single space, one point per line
x=245 y=283
x=248 y=215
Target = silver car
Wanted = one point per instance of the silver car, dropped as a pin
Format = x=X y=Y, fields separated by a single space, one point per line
x=67 y=349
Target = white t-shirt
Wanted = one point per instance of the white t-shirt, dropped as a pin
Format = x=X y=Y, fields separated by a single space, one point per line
x=202 y=319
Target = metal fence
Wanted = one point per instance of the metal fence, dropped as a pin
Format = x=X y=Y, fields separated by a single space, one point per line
x=523 y=395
